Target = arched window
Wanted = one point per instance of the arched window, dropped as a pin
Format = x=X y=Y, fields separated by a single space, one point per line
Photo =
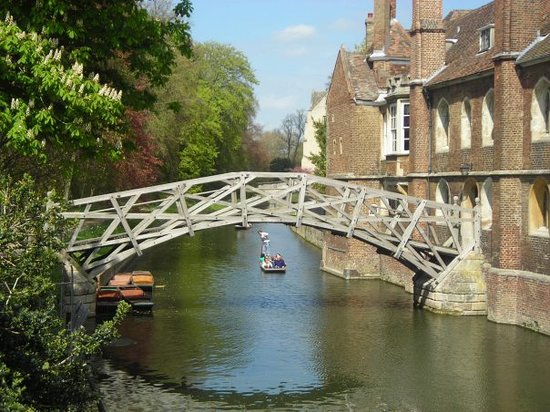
x=487 y=120
x=442 y=194
x=442 y=127
x=466 y=124
x=333 y=146
x=539 y=208
x=540 y=110
x=487 y=204
x=469 y=195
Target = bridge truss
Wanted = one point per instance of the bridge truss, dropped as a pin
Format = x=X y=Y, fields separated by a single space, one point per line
x=427 y=235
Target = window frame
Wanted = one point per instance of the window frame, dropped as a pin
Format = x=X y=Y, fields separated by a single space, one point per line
x=488 y=119
x=539 y=208
x=540 y=111
x=398 y=128
x=443 y=127
x=486 y=38
x=466 y=124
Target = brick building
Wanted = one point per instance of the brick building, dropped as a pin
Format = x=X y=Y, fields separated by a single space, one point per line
x=358 y=102
x=464 y=113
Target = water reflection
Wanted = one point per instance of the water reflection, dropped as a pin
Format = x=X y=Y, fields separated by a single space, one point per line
x=226 y=336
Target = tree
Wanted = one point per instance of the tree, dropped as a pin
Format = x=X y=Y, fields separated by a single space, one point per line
x=280 y=164
x=42 y=364
x=319 y=159
x=119 y=40
x=292 y=133
x=43 y=103
x=256 y=157
x=211 y=102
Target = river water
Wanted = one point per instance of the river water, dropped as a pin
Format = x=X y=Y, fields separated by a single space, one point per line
x=225 y=336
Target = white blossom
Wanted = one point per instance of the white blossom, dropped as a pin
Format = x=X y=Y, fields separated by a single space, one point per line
x=78 y=68
x=48 y=56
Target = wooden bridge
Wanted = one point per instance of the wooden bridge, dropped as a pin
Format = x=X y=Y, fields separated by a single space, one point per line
x=429 y=236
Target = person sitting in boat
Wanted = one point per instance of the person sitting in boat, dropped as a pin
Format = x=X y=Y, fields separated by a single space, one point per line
x=278 y=261
x=268 y=262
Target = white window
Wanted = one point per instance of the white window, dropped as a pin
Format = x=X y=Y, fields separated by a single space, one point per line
x=487 y=204
x=397 y=130
x=539 y=208
x=540 y=111
x=466 y=125
x=485 y=38
x=442 y=195
x=487 y=121
x=442 y=127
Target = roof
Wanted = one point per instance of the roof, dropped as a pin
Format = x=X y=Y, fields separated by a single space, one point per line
x=537 y=52
x=360 y=77
x=463 y=58
x=400 y=41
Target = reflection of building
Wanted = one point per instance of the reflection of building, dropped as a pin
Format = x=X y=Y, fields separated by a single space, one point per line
x=471 y=119
x=316 y=113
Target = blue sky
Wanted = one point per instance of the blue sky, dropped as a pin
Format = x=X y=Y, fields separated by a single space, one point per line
x=291 y=44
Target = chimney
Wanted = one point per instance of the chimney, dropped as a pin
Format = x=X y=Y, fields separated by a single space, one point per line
x=369 y=31
x=517 y=23
x=381 y=24
x=428 y=38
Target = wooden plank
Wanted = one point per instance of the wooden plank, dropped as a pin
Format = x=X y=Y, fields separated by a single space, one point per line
x=356 y=212
x=301 y=199
x=125 y=224
x=408 y=231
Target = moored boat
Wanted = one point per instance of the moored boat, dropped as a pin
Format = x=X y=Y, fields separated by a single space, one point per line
x=121 y=279
x=144 y=279
x=108 y=298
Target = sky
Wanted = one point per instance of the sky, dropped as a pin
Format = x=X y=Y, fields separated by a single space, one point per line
x=292 y=44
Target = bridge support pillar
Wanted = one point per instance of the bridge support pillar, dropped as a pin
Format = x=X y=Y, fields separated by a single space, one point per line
x=79 y=296
x=463 y=292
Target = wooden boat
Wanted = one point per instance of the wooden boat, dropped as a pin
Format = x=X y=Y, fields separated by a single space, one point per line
x=144 y=279
x=121 y=279
x=108 y=298
x=272 y=269
x=269 y=263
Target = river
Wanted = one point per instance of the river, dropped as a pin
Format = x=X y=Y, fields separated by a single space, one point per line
x=225 y=336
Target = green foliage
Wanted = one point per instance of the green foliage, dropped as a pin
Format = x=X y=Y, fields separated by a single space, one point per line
x=118 y=39
x=44 y=103
x=42 y=364
x=280 y=164
x=210 y=102
x=319 y=160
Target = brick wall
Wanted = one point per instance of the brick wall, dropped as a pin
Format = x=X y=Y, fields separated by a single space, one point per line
x=519 y=298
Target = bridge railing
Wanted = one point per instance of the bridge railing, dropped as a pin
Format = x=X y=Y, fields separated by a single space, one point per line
x=113 y=227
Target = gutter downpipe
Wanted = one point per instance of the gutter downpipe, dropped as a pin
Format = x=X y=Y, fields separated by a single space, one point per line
x=428 y=99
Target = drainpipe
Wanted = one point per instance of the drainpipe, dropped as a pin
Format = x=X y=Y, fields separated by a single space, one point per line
x=428 y=99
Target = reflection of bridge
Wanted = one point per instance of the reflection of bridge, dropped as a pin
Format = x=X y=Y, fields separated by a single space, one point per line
x=426 y=235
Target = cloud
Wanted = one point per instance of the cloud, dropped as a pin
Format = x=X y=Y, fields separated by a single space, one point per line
x=293 y=33
x=342 y=25
x=277 y=103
